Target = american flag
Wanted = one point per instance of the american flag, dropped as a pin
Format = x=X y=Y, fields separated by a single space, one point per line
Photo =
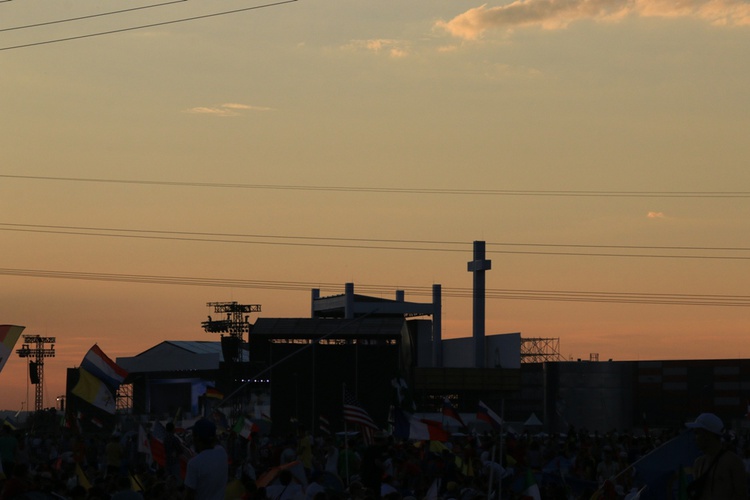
x=354 y=413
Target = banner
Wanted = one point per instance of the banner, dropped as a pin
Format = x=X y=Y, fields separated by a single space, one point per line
x=99 y=365
x=94 y=391
x=8 y=337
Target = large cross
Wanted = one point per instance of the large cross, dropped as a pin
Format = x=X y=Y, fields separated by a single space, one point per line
x=478 y=266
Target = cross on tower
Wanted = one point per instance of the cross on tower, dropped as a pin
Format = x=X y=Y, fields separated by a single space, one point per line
x=478 y=266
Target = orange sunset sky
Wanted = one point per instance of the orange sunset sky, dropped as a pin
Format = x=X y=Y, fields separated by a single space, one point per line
x=156 y=157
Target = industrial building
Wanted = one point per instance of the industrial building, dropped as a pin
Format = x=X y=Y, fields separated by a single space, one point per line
x=295 y=370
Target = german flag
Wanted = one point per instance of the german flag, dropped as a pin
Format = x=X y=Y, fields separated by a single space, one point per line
x=211 y=392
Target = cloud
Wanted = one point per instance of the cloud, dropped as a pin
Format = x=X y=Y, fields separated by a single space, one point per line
x=655 y=215
x=228 y=109
x=392 y=48
x=558 y=14
x=245 y=107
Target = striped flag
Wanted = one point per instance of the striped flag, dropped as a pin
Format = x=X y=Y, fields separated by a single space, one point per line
x=212 y=392
x=531 y=488
x=95 y=392
x=8 y=337
x=355 y=413
x=486 y=414
x=245 y=427
x=144 y=444
x=406 y=426
x=324 y=424
x=450 y=411
x=158 y=435
x=102 y=367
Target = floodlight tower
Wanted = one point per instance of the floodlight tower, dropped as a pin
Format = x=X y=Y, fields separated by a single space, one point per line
x=236 y=323
x=33 y=346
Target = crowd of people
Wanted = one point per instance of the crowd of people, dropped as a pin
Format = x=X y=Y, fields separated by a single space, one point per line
x=209 y=462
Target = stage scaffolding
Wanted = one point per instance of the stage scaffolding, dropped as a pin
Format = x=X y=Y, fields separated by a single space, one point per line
x=540 y=350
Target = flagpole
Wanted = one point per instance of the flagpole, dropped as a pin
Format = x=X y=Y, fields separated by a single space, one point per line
x=312 y=413
x=492 y=470
x=502 y=424
x=346 y=437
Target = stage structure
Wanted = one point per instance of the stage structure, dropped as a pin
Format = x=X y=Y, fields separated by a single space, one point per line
x=540 y=350
x=236 y=324
x=33 y=347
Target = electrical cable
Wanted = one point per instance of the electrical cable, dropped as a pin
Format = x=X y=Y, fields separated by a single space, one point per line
x=144 y=26
x=90 y=16
x=453 y=292
x=371 y=189
x=232 y=238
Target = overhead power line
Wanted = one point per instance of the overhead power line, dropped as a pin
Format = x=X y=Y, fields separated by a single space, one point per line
x=144 y=26
x=90 y=16
x=391 y=189
x=456 y=292
x=375 y=244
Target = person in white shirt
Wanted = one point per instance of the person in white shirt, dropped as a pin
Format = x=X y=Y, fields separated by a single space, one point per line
x=208 y=471
x=286 y=488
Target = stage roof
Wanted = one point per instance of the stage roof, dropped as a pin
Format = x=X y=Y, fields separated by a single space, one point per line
x=176 y=355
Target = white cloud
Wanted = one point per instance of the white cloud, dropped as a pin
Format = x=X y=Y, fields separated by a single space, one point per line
x=245 y=107
x=228 y=109
x=558 y=14
x=392 y=48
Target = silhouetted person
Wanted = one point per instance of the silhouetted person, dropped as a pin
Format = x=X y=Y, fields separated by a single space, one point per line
x=719 y=472
x=207 y=472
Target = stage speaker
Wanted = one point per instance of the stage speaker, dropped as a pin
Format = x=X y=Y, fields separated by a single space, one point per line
x=34 y=372
x=230 y=348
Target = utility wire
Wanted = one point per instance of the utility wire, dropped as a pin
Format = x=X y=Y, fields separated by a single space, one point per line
x=361 y=243
x=454 y=292
x=144 y=26
x=371 y=189
x=101 y=14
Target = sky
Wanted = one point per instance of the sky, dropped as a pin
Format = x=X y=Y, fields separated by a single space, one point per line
x=167 y=155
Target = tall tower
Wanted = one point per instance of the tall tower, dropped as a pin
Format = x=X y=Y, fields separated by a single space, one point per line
x=33 y=347
x=478 y=266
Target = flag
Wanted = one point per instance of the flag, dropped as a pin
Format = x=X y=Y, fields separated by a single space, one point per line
x=220 y=420
x=177 y=415
x=432 y=491
x=531 y=488
x=8 y=337
x=212 y=392
x=244 y=427
x=324 y=424
x=450 y=411
x=82 y=479
x=9 y=423
x=97 y=422
x=484 y=413
x=135 y=482
x=92 y=390
x=406 y=426
x=404 y=398
x=100 y=366
x=656 y=469
x=355 y=413
x=144 y=444
x=158 y=434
